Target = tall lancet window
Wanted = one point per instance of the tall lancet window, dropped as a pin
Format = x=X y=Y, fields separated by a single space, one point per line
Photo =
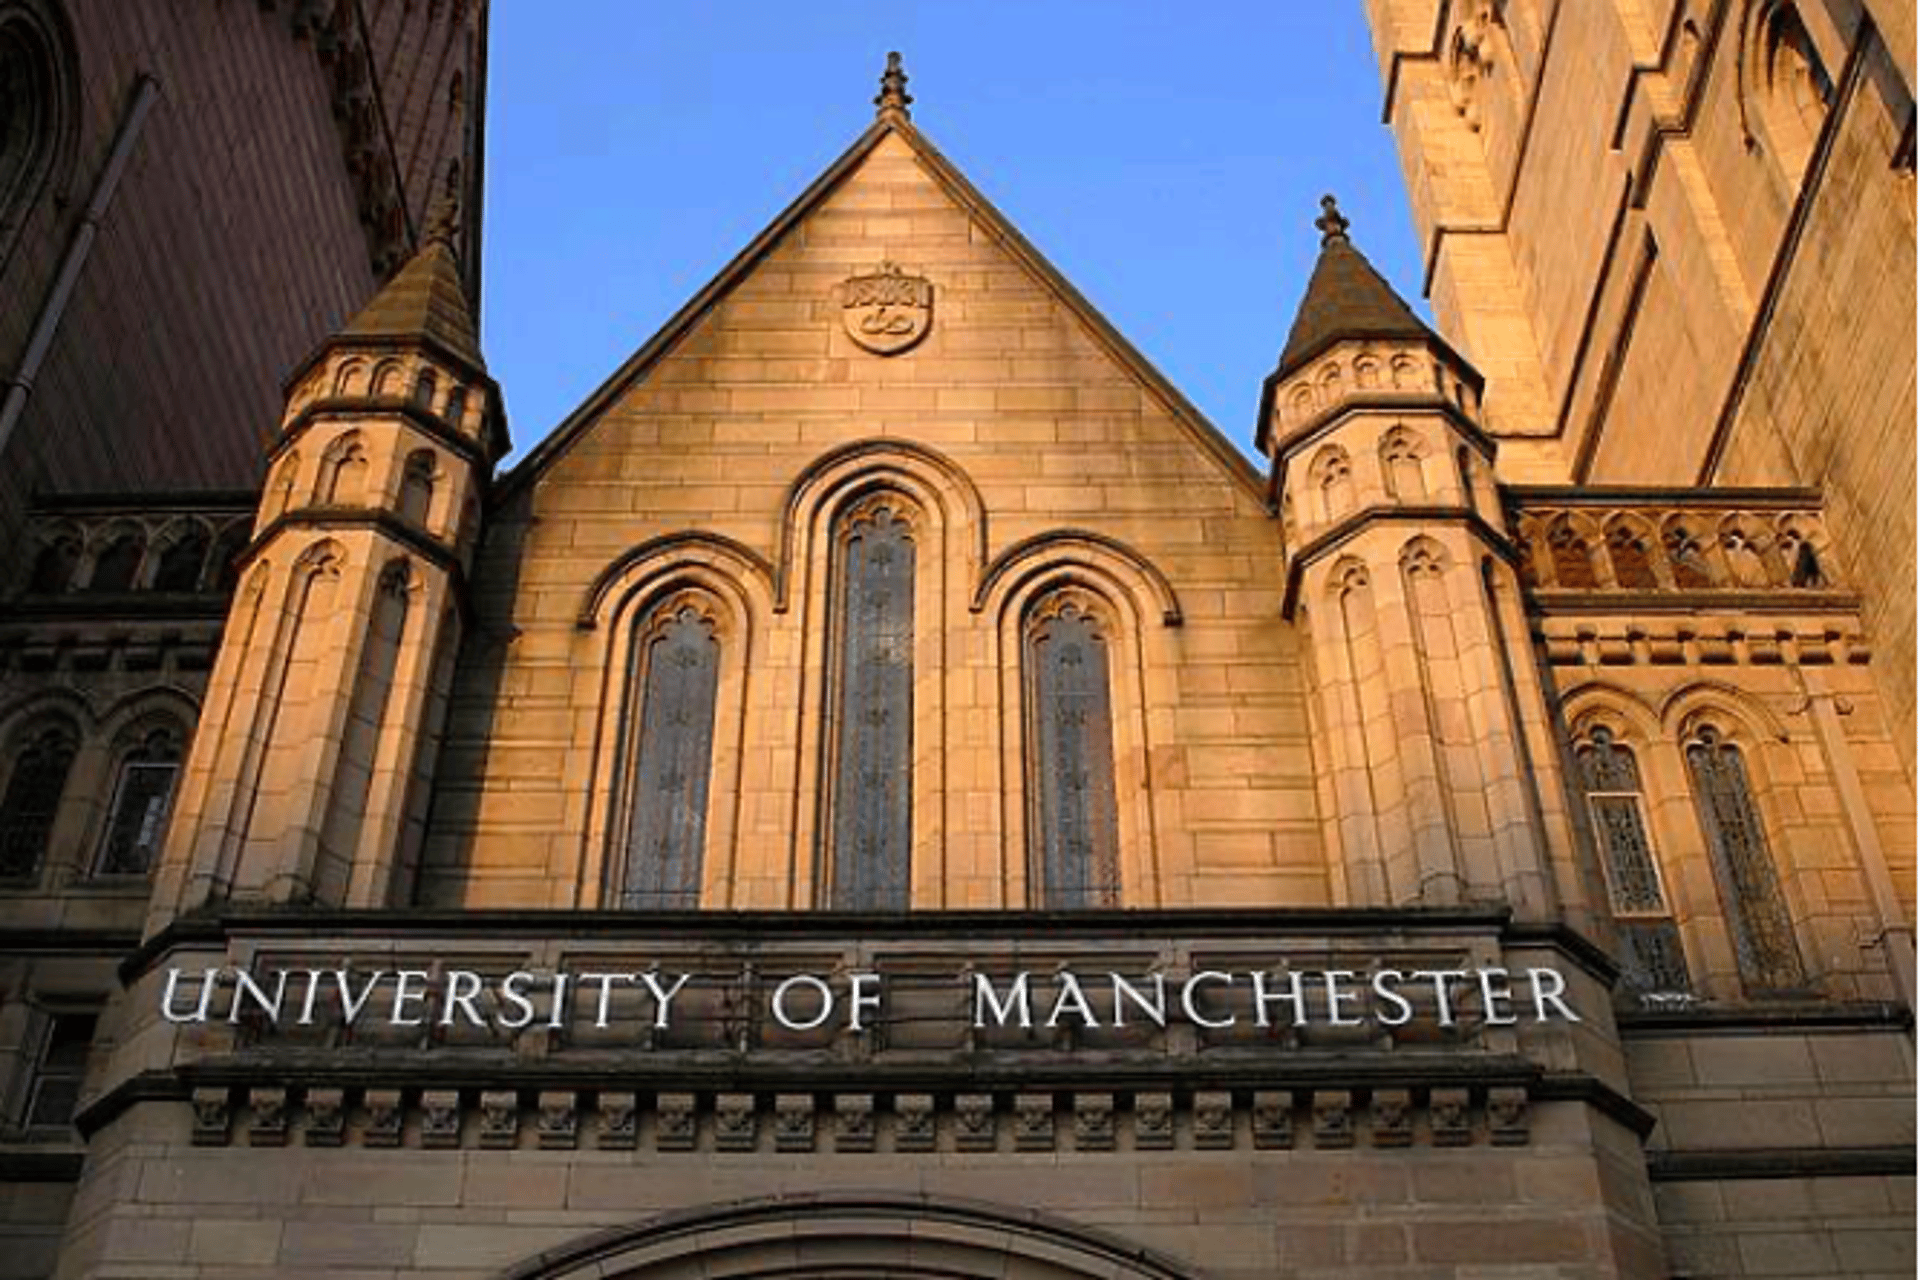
x=1750 y=893
x=872 y=829
x=679 y=657
x=1074 y=809
x=1651 y=958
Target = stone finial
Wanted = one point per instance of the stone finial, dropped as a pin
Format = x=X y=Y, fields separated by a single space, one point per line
x=893 y=94
x=1332 y=223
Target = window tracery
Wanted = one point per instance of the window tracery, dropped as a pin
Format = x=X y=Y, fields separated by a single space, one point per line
x=1652 y=957
x=871 y=829
x=41 y=760
x=1075 y=821
x=1743 y=867
x=679 y=657
x=149 y=768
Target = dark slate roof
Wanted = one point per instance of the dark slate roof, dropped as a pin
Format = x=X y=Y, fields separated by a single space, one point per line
x=1347 y=298
x=424 y=300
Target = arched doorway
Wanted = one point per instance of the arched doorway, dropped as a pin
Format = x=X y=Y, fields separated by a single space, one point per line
x=841 y=1235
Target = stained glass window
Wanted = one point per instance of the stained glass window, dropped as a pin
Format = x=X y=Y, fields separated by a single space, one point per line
x=142 y=796
x=1075 y=811
x=34 y=785
x=1743 y=866
x=872 y=830
x=673 y=765
x=1651 y=956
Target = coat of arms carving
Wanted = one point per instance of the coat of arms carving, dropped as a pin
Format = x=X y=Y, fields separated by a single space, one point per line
x=888 y=311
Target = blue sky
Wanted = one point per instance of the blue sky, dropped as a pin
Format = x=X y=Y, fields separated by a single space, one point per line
x=1168 y=158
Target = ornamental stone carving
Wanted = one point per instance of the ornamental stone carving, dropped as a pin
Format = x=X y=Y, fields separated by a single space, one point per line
x=384 y=1118
x=914 y=1127
x=619 y=1122
x=1153 y=1121
x=499 y=1119
x=326 y=1115
x=557 y=1125
x=1333 y=1118
x=793 y=1122
x=267 y=1119
x=1272 y=1120
x=735 y=1126
x=440 y=1118
x=886 y=311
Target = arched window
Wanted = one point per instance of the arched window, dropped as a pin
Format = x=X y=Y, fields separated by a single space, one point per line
x=36 y=777
x=678 y=675
x=228 y=553
x=53 y=567
x=142 y=797
x=1400 y=460
x=425 y=389
x=117 y=567
x=182 y=560
x=1743 y=868
x=343 y=471
x=1075 y=810
x=416 y=487
x=872 y=719
x=1651 y=956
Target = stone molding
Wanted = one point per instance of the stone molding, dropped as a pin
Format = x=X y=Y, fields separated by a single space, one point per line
x=1002 y=1120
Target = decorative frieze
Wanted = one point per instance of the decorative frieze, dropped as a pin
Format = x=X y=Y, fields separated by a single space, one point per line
x=1682 y=542
x=212 y=1117
x=854 y=1129
x=557 y=1128
x=1694 y=640
x=385 y=1117
x=1033 y=1126
x=1093 y=1128
x=619 y=1115
x=499 y=1119
x=440 y=1118
x=914 y=1128
x=1096 y=1120
x=736 y=1125
x=267 y=1117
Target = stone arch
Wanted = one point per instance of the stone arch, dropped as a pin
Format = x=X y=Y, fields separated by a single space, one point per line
x=1122 y=589
x=733 y=585
x=419 y=481
x=1782 y=84
x=1746 y=548
x=387 y=376
x=56 y=559
x=1331 y=476
x=1683 y=709
x=1600 y=703
x=344 y=469
x=350 y=378
x=118 y=556
x=1569 y=541
x=1045 y=551
x=1630 y=544
x=841 y=475
x=877 y=1232
x=181 y=551
x=1692 y=552
x=1403 y=455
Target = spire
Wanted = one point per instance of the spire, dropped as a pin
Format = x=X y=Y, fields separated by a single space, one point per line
x=1346 y=298
x=425 y=298
x=893 y=96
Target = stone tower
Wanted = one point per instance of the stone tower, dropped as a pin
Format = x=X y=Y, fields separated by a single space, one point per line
x=309 y=782
x=1401 y=575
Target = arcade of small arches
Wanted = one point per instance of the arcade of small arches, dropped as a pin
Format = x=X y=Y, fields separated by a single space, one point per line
x=188 y=554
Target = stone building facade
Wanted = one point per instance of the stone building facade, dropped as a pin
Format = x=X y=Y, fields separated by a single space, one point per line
x=886 y=788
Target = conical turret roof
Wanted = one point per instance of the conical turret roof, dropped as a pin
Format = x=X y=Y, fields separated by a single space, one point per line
x=1346 y=298
x=425 y=298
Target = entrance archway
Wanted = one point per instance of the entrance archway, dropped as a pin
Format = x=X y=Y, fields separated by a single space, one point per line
x=837 y=1236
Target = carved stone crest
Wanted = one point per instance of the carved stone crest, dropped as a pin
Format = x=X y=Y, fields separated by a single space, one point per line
x=887 y=311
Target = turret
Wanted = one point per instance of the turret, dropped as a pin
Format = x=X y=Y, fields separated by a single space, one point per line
x=310 y=776
x=1400 y=573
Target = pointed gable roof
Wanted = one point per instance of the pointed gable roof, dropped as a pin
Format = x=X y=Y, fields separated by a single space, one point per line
x=1346 y=298
x=892 y=119
x=425 y=299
